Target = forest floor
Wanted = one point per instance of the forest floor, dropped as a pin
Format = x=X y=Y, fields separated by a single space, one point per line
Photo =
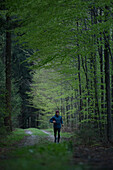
x=34 y=149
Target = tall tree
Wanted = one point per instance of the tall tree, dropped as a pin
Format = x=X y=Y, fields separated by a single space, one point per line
x=107 y=79
x=7 y=119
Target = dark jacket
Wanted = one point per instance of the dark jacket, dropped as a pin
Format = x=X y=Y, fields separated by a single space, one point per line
x=58 y=120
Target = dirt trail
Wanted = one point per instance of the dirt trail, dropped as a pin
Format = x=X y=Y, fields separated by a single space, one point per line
x=34 y=139
x=50 y=136
x=29 y=140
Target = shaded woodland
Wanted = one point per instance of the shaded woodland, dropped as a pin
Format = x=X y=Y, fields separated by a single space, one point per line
x=57 y=55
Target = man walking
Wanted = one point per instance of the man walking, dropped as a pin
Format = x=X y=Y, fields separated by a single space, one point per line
x=57 y=121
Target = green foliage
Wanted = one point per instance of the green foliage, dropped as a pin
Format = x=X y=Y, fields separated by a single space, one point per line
x=45 y=155
x=42 y=156
x=11 y=139
x=16 y=105
x=21 y=77
x=2 y=95
x=68 y=41
x=37 y=132
x=87 y=135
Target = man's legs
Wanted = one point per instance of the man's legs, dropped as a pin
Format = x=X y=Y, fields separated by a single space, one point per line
x=55 y=134
x=55 y=131
x=58 y=135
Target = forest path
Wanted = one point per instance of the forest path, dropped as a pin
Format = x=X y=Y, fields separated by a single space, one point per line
x=29 y=140
x=37 y=150
x=33 y=139
x=50 y=136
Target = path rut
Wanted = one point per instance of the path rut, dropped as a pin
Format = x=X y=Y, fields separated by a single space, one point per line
x=29 y=140
x=34 y=139
x=50 y=136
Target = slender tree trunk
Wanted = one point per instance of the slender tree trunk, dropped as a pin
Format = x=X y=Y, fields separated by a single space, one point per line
x=101 y=69
x=107 y=80
x=100 y=51
x=80 y=88
x=97 y=110
x=61 y=101
x=87 y=84
x=112 y=77
x=67 y=110
x=7 y=119
x=108 y=91
x=72 y=112
x=94 y=55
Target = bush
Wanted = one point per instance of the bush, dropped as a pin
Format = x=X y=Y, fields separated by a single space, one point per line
x=87 y=135
x=3 y=133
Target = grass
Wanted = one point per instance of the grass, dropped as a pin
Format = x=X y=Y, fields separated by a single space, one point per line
x=17 y=135
x=14 y=137
x=46 y=156
x=63 y=134
x=43 y=156
x=37 y=132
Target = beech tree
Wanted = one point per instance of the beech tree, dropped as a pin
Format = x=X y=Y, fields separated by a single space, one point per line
x=73 y=38
x=7 y=119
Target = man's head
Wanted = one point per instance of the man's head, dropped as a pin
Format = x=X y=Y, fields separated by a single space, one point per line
x=57 y=113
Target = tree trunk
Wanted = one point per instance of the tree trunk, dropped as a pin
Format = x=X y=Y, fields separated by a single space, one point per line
x=108 y=91
x=107 y=80
x=7 y=119
x=67 y=111
x=80 y=88
x=97 y=110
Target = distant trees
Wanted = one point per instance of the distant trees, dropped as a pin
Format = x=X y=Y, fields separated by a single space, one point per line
x=72 y=44
x=78 y=46
x=15 y=77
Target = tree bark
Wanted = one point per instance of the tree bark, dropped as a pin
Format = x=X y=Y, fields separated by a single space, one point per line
x=108 y=91
x=7 y=119
x=80 y=88
x=107 y=81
